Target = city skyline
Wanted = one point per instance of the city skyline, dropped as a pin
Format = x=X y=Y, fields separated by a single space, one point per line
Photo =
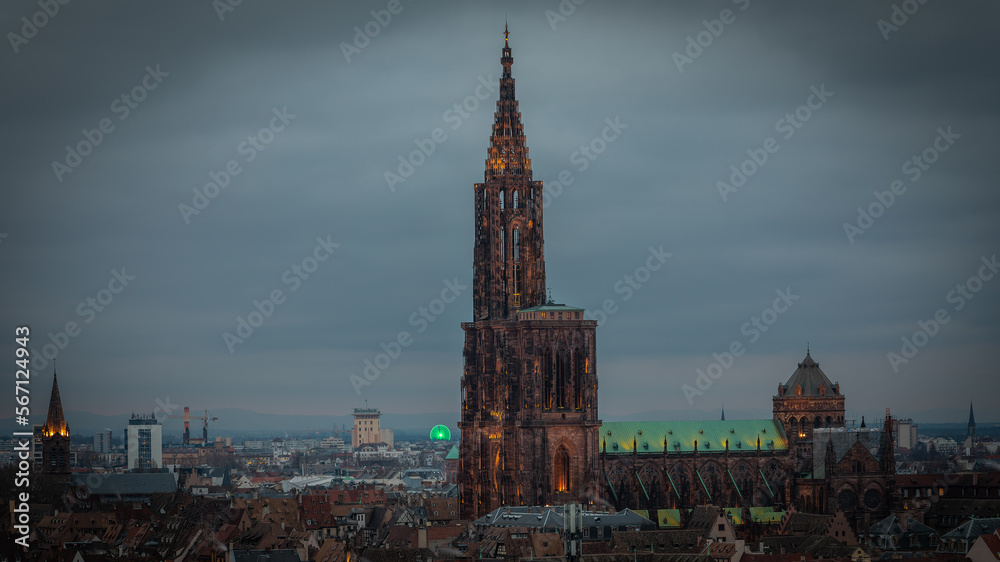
x=345 y=247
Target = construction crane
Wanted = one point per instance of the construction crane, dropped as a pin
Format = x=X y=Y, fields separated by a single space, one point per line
x=187 y=425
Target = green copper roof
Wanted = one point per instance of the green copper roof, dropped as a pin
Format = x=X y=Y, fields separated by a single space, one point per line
x=551 y=307
x=735 y=515
x=618 y=437
x=765 y=515
x=452 y=454
x=668 y=518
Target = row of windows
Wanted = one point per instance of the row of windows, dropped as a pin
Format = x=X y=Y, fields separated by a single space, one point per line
x=552 y=315
x=940 y=491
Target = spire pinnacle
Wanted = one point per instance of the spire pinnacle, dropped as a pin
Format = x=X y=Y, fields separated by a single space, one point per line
x=55 y=422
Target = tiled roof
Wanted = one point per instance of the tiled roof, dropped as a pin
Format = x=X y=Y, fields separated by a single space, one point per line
x=680 y=436
x=668 y=518
x=992 y=544
x=973 y=528
x=811 y=378
x=126 y=484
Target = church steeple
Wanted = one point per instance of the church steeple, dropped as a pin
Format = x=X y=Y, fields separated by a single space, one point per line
x=55 y=437
x=508 y=263
x=972 y=422
x=508 y=153
x=55 y=422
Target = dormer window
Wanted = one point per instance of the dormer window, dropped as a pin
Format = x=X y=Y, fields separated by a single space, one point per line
x=798 y=390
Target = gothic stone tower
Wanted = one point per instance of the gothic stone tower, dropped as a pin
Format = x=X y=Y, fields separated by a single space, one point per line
x=55 y=438
x=806 y=402
x=529 y=391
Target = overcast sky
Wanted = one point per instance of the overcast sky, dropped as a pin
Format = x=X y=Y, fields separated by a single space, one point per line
x=838 y=103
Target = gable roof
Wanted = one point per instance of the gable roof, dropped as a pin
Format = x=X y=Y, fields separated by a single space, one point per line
x=843 y=440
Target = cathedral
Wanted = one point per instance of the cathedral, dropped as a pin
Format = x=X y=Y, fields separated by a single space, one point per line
x=529 y=391
x=529 y=418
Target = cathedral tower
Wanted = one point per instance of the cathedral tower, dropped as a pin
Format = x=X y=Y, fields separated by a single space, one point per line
x=529 y=390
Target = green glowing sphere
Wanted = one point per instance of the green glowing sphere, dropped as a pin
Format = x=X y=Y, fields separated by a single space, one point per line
x=440 y=433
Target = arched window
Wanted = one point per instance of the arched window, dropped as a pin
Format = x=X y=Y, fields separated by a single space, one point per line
x=514 y=201
x=829 y=421
x=547 y=378
x=562 y=375
x=562 y=470
x=578 y=373
x=817 y=423
x=793 y=427
x=515 y=240
x=503 y=197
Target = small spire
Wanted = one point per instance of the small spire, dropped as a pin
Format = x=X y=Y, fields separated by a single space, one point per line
x=506 y=33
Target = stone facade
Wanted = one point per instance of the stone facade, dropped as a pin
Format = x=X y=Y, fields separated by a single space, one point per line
x=529 y=390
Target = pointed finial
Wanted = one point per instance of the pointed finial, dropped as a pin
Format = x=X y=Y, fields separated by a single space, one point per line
x=506 y=33
x=807 y=348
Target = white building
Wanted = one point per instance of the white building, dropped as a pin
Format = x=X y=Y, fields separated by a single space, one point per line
x=906 y=434
x=144 y=443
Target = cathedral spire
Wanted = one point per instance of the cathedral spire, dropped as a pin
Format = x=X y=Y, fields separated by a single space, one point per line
x=508 y=153
x=509 y=259
x=972 y=422
x=55 y=423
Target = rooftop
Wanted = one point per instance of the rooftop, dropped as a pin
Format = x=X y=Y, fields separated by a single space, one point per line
x=811 y=379
x=683 y=436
